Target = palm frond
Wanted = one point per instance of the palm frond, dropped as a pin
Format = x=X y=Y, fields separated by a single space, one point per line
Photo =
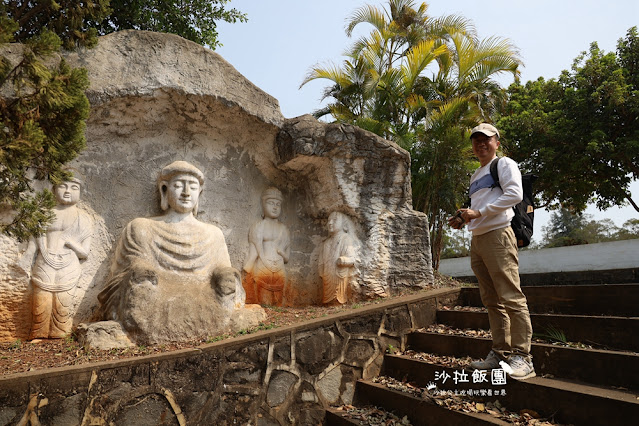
x=417 y=59
x=366 y=14
x=331 y=72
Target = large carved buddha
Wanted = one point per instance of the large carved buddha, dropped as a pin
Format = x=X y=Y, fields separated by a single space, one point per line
x=171 y=276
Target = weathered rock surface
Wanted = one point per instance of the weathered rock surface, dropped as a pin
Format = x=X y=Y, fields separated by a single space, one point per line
x=156 y=98
x=347 y=169
x=103 y=335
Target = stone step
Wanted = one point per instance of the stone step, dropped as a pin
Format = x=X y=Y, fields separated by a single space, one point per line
x=602 y=331
x=605 y=299
x=337 y=418
x=360 y=415
x=418 y=410
x=563 y=400
x=598 y=367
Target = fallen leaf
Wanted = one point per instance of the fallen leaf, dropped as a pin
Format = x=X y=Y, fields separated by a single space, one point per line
x=532 y=413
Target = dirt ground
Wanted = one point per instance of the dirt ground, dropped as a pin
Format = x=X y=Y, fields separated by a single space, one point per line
x=20 y=356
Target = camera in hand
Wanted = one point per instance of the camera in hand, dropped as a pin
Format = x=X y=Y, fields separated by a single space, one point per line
x=456 y=221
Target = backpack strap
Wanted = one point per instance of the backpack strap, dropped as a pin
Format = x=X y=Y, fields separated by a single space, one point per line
x=494 y=173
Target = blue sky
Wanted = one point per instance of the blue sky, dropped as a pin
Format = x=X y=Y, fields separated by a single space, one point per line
x=284 y=38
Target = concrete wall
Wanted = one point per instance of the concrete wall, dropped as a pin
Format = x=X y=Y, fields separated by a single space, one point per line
x=282 y=376
x=588 y=257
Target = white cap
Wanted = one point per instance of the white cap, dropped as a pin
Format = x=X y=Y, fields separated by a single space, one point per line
x=485 y=128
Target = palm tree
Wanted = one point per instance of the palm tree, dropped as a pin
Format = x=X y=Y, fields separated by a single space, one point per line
x=467 y=93
x=382 y=86
x=367 y=86
x=402 y=26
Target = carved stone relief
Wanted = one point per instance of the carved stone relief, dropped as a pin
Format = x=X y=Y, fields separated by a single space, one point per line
x=338 y=260
x=146 y=110
x=57 y=269
x=171 y=276
x=269 y=251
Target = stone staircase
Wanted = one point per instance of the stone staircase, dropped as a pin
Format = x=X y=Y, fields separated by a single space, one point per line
x=592 y=381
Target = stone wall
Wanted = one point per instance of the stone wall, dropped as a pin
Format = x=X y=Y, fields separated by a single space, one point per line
x=276 y=377
x=156 y=98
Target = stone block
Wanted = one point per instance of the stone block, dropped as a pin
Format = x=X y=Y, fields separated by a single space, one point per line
x=359 y=351
x=242 y=373
x=423 y=313
x=310 y=416
x=398 y=320
x=111 y=378
x=10 y=415
x=318 y=350
x=329 y=385
x=64 y=411
x=199 y=372
x=307 y=393
x=282 y=350
x=253 y=353
x=366 y=324
x=390 y=344
x=14 y=392
x=150 y=409
x=235 y=409
x=374 y=368
x=279 y=387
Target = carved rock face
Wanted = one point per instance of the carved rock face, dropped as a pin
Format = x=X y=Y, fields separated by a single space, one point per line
x=57 y=268
x=171 y=277
x=183 y=192
x=67 y=193
x=176 y=310
x=265 y=281
x=156 y=98
x=338 y=259
x=272 y=208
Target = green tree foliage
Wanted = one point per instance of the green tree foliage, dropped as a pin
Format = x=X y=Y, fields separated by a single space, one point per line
x=195 y=20
x=567 y=228
x=629 y=230
x=455 y=243
x=422 y=82
x=580 y=133
x=79 y=22
x=42 y=108
x=71 y=20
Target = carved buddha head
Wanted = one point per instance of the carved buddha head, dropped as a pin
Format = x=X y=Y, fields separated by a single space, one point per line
x=180 y=184
x=68 y=192
x=272 y=203
x=336 y=223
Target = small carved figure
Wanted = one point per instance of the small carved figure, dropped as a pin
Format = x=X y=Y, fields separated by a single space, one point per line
x=171 y=274
x=269 y=250
x=56 y=271
x=225 y=282
x=338 y=258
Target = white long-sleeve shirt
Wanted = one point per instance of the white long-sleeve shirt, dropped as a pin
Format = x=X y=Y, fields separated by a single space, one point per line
x=495 y=204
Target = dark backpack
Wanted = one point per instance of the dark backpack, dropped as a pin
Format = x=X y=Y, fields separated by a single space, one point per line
x=522 y=222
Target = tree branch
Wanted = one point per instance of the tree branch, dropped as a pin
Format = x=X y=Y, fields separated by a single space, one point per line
x=23 y=20
x=626 y=195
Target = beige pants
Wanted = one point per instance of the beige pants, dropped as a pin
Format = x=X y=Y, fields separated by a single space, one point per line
x=495 y=262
